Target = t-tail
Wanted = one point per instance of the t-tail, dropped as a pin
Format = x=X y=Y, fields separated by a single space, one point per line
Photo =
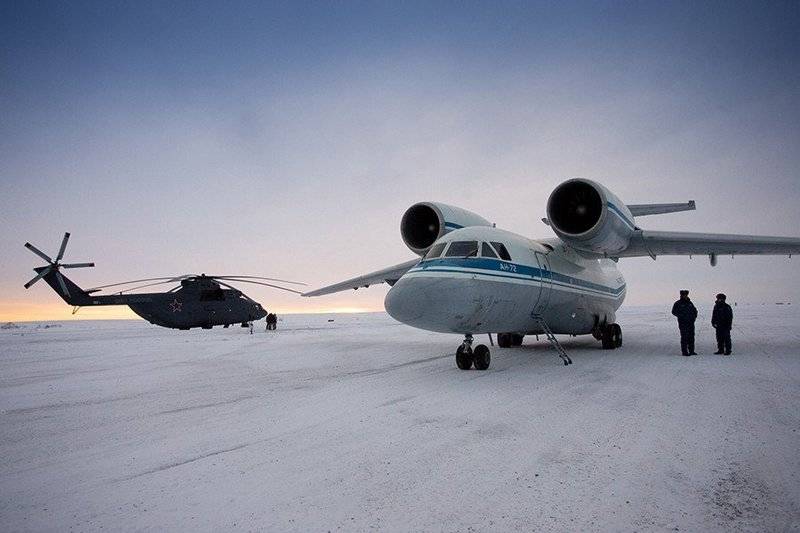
x=71 y=293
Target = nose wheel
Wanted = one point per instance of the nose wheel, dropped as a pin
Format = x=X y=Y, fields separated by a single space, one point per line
x=467 y=357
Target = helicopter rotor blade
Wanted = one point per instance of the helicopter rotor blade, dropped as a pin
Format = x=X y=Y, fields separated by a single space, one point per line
x=176 y=278
x=63 y=285
x=78 y=265
x=39 y=276
x=259 y=277
x=234 y=288
x=63 y=247
x=259 y=283
x=143 y=286
x=38 y=252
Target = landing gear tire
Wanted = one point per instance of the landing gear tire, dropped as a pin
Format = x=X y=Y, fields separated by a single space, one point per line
x=504 y=340
x=516 y=340
x=608 y=342
x=464 y=358
x=481 y=357
x=612 y=336
x=616 y=335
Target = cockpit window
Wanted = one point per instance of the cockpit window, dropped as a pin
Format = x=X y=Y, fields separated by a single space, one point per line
x=462 y=249
x=502 y=251
x=486 y=250
x=436 y=251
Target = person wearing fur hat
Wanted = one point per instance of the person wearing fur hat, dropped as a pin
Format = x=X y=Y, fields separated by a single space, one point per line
x=722 y=320
x=686 y=313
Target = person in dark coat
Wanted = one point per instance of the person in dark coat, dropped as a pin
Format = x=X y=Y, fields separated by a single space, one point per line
x=686 y=313
x=722 y=320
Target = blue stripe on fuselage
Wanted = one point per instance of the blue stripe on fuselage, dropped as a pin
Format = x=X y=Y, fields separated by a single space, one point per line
x=505 y=269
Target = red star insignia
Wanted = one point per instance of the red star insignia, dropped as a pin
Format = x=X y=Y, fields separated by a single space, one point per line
x=176 y=306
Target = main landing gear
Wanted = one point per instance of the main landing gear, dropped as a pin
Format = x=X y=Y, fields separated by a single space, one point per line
x=611 y=336
x=507 y=340
x=466 y=356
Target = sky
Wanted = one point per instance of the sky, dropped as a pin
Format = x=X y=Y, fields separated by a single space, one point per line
x=287 y=139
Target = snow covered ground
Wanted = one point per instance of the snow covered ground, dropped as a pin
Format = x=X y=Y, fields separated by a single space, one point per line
x=363 y=423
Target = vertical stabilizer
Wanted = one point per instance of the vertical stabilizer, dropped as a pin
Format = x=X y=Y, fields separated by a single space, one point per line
x=65 y=287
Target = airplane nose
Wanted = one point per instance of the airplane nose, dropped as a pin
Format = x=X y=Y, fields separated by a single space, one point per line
x=431 y=303
x=404 y=302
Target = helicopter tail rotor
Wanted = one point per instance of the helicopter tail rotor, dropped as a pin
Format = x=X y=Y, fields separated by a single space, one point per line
x=54 y=266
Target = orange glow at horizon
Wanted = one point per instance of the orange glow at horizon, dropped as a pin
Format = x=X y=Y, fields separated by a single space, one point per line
x=22 y=311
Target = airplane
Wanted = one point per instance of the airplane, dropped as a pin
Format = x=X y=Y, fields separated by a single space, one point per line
x=199 y=301
x=474 y=278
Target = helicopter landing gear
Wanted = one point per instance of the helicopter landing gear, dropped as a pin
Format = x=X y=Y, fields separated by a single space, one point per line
x=466 y=357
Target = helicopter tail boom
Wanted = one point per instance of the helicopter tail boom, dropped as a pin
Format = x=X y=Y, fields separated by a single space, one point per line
x=66 y=288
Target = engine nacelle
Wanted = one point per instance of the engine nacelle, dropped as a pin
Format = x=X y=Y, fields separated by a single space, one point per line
x=425 y=222
x=588 y=217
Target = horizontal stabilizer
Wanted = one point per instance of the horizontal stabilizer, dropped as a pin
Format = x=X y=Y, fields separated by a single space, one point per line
x=640 y=210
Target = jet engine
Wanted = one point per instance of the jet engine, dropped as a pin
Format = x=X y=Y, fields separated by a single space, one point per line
x=425 y=222
x=588 y=217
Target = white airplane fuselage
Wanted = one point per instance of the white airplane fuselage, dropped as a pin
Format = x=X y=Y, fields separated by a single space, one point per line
x=474 y=278
x=482 y=294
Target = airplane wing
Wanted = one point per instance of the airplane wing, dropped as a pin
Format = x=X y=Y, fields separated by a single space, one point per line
x=654 y=243
x=387 y=275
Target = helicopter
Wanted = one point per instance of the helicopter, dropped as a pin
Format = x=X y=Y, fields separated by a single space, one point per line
x=198 y=301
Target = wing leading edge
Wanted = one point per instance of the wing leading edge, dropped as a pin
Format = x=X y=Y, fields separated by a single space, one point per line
x=654 y=243
x=387 y=275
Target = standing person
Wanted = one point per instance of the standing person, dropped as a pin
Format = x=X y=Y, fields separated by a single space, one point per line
x=722 y=320
x=274 y=321
x=267 y=320
x=686 y=313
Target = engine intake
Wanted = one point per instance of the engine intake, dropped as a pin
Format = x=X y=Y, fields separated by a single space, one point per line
x=589 y=217
x=423 y=223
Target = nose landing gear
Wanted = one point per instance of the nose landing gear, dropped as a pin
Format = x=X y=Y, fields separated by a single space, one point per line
x=466 y=357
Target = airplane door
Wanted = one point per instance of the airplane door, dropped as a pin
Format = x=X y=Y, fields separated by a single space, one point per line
x=547 y=278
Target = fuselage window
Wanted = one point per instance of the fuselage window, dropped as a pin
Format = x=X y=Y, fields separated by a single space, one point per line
x=436 y=251
x=486 y=250
x=502 y=251
x=462 y=249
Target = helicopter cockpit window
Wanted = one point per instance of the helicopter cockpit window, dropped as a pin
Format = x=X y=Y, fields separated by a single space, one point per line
x=462 y=249
x=212 y=295
x=502 y=251
x=436 y=251
x=486 y=250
